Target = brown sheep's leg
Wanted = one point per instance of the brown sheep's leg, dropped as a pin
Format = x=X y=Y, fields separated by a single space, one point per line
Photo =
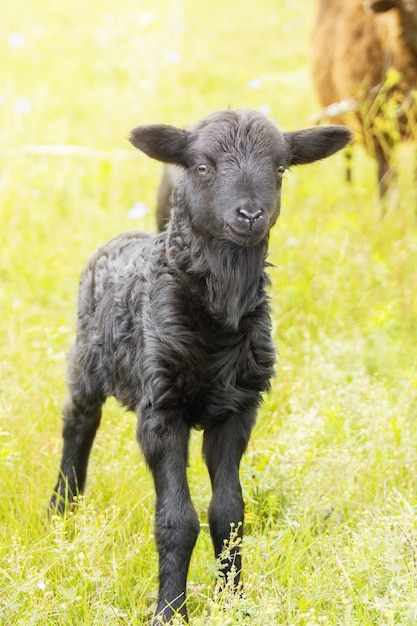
x=164 y=204
x=386 y=171
x=348 y=161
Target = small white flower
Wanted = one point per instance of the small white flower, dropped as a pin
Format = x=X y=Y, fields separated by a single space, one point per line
x=294 y=524
x=265 y=109
x=145 y=19
x=255 y=83
x=108 y=18
x=144 y=83
x=41 y=585
x=138 y=210
x=173 y=57
x=292 y=242
x=16 y=40
x=22 y=106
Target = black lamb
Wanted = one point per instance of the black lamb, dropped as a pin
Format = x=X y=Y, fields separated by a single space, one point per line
x=177 y=327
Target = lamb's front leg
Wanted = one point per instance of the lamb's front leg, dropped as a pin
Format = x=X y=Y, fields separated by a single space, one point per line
x=224 y=445
x=164 y=441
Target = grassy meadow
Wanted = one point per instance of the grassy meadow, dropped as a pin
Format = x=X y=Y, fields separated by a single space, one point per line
x=330 y=476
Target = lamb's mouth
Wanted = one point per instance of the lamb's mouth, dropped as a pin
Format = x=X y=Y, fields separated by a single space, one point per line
x=244 y=236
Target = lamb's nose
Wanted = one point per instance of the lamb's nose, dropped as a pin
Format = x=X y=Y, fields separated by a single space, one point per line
x=250 y=215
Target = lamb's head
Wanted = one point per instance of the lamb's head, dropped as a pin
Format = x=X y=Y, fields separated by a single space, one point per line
x=234 y=162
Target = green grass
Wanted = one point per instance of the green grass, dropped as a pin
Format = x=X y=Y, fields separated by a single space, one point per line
x=329 y=478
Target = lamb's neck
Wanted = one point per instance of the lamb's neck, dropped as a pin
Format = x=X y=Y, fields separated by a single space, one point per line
x=235 y=280
x=229 y=279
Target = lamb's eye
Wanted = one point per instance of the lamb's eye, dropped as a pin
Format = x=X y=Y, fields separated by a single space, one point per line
x=203 y=169
x=281 y=170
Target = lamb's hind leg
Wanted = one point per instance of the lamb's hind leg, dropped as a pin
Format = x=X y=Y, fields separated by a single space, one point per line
x=223 y=448
x=164 y=441
x=82 y=414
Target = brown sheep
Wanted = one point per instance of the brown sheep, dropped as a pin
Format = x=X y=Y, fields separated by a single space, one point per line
x=354 y=45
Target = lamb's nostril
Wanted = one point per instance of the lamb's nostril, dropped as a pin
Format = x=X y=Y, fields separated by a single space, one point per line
x=250 y=216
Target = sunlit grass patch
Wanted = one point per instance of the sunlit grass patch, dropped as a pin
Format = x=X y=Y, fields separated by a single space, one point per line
x=329 y=475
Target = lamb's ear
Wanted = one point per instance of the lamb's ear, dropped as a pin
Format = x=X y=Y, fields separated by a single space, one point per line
x=313 y=144
x=161 y=142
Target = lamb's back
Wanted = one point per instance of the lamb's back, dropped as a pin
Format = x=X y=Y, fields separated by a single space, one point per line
x=113 y=289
